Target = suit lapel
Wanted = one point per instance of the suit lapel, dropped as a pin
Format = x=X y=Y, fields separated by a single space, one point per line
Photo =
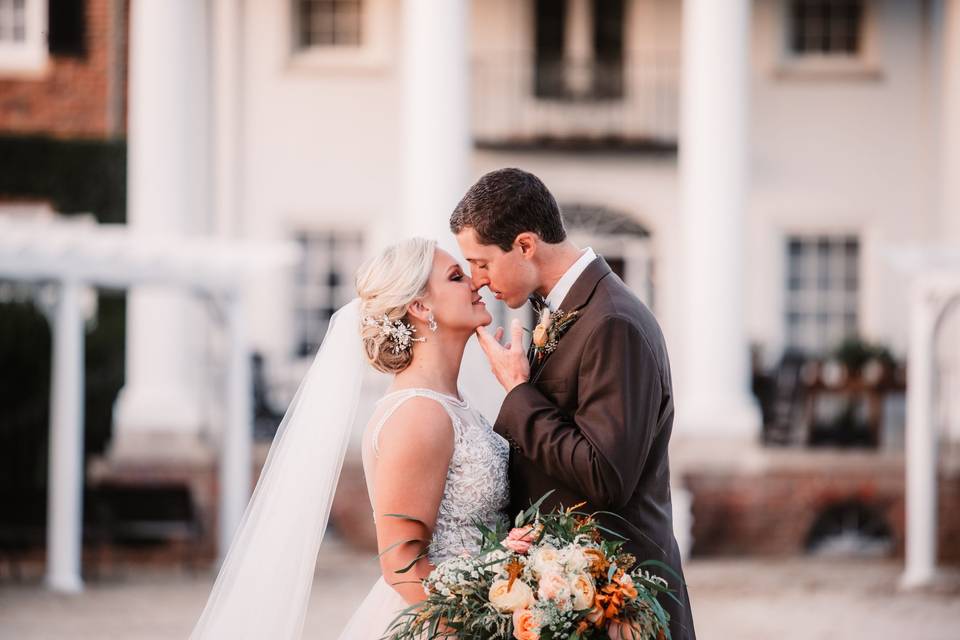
x=577 y=298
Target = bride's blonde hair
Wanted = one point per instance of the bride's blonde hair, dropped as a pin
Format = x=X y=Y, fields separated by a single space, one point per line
x=387 y=285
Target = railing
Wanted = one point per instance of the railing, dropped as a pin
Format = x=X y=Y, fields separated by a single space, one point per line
x=620 y=103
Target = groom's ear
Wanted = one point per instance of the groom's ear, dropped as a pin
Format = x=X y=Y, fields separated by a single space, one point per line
x=527 y=243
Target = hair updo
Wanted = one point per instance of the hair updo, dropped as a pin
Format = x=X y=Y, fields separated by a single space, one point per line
x=387 y=284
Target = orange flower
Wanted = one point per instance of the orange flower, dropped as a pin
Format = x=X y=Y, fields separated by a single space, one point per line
x=598 y=562
x=627 y=588
x=596 y=617
x=613 y=595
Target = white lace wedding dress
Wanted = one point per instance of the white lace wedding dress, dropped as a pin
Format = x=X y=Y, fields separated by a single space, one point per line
x=476 y=490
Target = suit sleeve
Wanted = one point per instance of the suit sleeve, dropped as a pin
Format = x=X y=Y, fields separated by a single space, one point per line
x=600 y=451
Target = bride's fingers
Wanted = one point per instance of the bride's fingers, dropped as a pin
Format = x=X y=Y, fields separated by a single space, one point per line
x=498 y=336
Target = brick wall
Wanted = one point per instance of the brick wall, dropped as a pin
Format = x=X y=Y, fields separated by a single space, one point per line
x=75 y=97
x=772 y=513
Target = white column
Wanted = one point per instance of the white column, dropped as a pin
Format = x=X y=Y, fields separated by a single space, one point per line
x=227 y=109
x=950 y=123
x=158 y=406
x=578 y=46
x=950 y=195
x=436 y=140
x=236 y=451
x=921 y=444
x=65 y=473
x=714 y=375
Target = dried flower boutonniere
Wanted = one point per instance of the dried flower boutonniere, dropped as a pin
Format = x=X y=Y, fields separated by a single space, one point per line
x=552 y=326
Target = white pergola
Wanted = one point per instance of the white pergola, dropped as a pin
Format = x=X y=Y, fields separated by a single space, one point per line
x=74 y=255
x=934 y=292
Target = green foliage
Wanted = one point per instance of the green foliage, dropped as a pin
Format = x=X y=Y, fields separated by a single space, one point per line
x=75 y=176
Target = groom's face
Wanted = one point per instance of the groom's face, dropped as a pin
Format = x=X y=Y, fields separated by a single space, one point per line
x=506 y=273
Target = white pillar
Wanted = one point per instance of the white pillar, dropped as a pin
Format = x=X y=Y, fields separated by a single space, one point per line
x=65 y=473
x=227 y=108
x=436 y=140
x=578 y=46
x=237 y=447
x=921 y=443
x=713 y=163
x=158 y=406
x=950 y=123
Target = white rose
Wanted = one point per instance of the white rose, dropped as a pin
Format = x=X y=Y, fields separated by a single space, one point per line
x=545 y=559
x=574 y=559
x=509 y=599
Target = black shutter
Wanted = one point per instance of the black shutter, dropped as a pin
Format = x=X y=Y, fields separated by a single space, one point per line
x=550 y=25
x=68 y=28
x=608 y=30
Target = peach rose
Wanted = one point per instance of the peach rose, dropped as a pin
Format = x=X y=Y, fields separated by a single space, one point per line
x=584 y=591
x=509 y=599
x=519 y=539
x=554 y=586
x=525 y=625
x=624 y=630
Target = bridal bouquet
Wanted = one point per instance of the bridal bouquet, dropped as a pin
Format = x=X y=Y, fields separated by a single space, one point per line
x=553 y=576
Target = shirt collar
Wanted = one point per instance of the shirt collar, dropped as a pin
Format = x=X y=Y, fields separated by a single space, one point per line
x=562 y=288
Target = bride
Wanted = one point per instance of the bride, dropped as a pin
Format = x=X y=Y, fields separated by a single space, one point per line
x=427 y=454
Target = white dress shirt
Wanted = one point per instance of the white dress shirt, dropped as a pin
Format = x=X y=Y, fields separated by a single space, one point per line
x=562 y=288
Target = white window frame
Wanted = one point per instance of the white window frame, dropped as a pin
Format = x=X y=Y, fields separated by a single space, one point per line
x=29 y=57
x=852 y=303
x=298 y=305
x=370 y=54
x=864 y=65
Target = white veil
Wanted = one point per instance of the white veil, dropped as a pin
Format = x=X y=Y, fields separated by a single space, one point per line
x=264 y=584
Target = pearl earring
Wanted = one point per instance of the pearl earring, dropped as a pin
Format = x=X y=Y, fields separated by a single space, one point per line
x=432 y=322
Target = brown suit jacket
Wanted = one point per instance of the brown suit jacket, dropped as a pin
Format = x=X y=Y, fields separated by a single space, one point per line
x=594 y=421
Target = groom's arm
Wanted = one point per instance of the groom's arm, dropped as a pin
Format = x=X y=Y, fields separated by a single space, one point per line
x=600 y=451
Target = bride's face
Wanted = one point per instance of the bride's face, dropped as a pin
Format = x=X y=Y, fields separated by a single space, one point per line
x=454 y=301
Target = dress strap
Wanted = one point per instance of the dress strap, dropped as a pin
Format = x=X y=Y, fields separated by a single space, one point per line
x=399 y=397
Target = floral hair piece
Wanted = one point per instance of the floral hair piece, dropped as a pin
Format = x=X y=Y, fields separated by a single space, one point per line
x=397 y=331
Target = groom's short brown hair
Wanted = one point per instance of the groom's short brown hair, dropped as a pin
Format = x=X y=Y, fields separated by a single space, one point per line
x=503 y=204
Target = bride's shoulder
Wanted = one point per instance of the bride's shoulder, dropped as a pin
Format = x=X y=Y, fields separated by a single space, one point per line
x=418 y=424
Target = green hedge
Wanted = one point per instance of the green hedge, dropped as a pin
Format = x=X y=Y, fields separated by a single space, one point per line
x=76 y=176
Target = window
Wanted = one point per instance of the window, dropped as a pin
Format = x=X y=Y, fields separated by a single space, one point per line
x=826 y=27
x=325 y=282
x=23 y=46
x=329 y=23
x=68 y=28
x=822 y=292
x=13 y=21
x=579 y=49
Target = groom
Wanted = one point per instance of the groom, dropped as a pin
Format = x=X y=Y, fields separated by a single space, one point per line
x=589 y=413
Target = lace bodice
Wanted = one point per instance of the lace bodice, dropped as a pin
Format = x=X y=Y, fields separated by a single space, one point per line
x=477 y=489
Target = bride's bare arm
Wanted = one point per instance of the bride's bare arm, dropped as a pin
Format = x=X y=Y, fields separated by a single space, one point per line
x=415 y=446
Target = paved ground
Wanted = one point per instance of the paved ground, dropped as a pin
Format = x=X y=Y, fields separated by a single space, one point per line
x=745 y=600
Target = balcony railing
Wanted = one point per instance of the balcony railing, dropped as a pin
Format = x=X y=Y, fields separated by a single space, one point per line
x=631 y=103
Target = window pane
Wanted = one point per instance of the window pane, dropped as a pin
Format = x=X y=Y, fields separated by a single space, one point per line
x=329 y=23
x=827 y=27
x=822 y=291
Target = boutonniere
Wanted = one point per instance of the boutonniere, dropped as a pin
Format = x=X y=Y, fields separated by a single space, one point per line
x=547 y=333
